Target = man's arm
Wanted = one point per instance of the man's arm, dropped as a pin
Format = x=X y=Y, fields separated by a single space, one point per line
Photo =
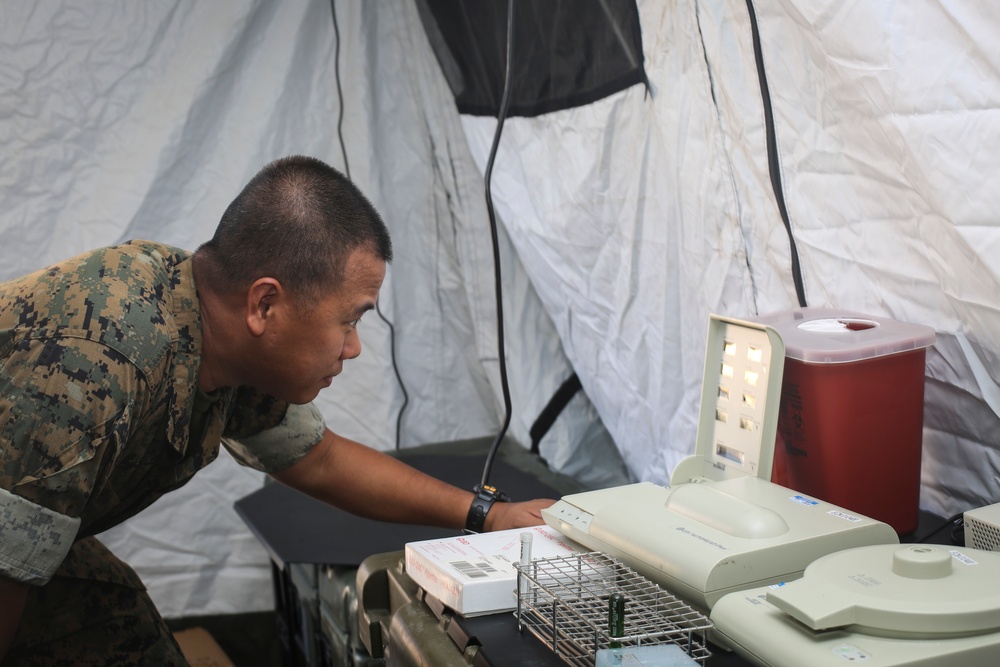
x=366 y=482
x=12 y=597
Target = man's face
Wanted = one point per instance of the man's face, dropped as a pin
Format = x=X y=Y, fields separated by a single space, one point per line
x=305 y=348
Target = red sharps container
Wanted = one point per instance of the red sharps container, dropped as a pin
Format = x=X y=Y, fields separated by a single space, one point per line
x=850 y=424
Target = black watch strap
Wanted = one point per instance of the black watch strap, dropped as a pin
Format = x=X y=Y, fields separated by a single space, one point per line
x=483 y=501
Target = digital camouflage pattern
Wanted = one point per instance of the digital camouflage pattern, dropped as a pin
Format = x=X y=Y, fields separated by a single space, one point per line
x=93 y=613
x=98 y=382
x=95 y=351
x=99 y=359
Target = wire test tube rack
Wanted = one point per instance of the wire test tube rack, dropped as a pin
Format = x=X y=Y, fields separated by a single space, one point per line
x=563 y=601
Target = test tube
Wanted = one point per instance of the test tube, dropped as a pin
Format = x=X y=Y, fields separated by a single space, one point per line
x=522 y=578
x=616 y=618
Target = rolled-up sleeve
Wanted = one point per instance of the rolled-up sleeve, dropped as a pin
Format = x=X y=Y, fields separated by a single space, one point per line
x=64 y=412
x=281 y=446
x=35 y=540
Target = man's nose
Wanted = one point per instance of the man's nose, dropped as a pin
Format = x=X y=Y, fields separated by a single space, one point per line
x=352 y=346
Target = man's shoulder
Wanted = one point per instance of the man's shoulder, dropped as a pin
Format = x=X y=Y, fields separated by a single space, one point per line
x=135 y=265
x=118 y=296
x=130 y=268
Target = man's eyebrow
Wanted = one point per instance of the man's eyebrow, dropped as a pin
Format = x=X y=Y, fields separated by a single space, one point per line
x=364 y=308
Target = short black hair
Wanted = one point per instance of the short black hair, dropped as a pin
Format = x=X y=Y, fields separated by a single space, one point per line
x=297 y=220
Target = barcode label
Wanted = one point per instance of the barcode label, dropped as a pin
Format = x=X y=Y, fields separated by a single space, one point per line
x=474 y=569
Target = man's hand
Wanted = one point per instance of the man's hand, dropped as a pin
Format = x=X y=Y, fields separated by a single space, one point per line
x=503 y=516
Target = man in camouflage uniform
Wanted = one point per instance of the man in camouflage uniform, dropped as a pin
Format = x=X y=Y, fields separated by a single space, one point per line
x=124 y=369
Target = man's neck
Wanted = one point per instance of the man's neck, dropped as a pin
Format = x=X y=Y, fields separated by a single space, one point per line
x=215 y=328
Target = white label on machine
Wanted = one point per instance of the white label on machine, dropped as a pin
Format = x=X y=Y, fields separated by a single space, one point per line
x=845 y=517
x=958 y=555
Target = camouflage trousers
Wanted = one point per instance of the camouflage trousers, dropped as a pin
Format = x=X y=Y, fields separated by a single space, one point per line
x=94 y=612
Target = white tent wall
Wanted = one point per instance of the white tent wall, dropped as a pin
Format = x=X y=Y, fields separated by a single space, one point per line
x=144 y=121
x=625 y=223
x=639 y=215
x=885 y=115
x=443 y=294
x=447 y=238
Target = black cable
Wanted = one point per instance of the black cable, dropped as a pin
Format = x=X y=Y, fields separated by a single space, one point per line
x=954 y=519
x=347 y=172
x=772 y=156
x=501 y=115
x=564 y=394
x=340 y=92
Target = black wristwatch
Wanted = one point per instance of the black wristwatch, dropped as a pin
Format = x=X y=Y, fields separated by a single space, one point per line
x=486 y=495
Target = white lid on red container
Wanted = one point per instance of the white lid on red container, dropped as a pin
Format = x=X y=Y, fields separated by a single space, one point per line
x=831 y=336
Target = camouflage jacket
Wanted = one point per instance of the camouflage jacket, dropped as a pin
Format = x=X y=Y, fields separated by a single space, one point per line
x=99 y=359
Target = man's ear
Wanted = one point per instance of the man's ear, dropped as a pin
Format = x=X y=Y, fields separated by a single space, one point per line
x=263 y=296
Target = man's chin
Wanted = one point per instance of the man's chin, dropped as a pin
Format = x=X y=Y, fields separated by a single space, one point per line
x=298 y=395
x=301 y=397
